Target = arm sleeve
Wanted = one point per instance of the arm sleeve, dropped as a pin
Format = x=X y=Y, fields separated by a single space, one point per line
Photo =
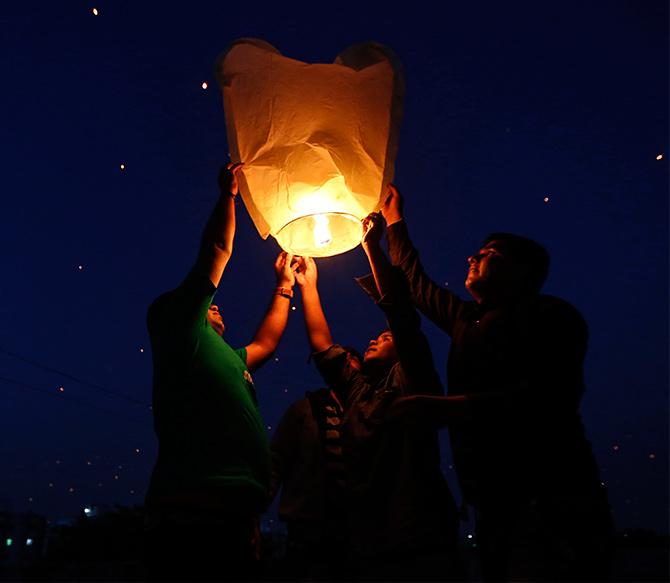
x=242 y=353
x=436 y=303
x=183 y=308
x=333 y=365
x=417 y=368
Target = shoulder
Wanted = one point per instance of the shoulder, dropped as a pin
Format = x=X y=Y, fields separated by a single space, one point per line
x=241 y=353
x=551 y=305
x=296 y=411
x=560 y=315
x=196 y=285
x=158 y=308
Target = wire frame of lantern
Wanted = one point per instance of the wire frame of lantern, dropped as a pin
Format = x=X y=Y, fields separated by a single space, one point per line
x=318 y=141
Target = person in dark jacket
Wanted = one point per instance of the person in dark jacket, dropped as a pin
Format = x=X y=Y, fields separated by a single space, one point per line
x=515 y=382
x=403 y=521
x=308 y=468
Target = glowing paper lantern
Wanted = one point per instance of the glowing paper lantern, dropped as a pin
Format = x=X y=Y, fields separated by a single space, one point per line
x=318 y=140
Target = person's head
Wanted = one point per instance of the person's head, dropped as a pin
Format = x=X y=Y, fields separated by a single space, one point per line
x=215 y=319
x=381 y=350
x=507 y=265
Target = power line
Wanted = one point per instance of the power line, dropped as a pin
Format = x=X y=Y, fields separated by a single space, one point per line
x=61 y=396
x=73 y=378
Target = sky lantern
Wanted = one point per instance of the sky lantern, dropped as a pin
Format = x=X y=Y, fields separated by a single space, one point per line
x=318 y=141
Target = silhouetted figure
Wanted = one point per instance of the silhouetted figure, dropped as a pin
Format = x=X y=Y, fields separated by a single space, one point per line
x=515 y=384
x=308 y=466
x=211 y=478
x=403 y=521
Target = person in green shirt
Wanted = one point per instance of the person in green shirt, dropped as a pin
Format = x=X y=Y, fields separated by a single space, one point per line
x=211 y=479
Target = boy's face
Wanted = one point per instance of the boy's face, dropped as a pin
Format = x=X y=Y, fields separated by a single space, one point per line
x=381 y=349
x=485 y=266
x=215 y=319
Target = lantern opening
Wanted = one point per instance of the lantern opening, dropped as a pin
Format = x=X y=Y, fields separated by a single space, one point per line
x=321 y=234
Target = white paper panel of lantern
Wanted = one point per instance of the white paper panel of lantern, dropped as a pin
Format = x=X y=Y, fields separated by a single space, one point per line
x=318 y=141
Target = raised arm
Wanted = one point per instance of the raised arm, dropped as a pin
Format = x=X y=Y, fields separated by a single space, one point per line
x=436 y=303
x=272 y=327
x=216 y=247
x=414 y=354
x=382 y=271
x=318 y=331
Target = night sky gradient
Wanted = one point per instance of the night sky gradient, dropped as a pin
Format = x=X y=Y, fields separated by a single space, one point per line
x=507 y=104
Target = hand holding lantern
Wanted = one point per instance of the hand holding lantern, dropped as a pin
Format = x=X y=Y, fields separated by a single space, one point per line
x=373 y=229
x=392 y=207
x=306 y=274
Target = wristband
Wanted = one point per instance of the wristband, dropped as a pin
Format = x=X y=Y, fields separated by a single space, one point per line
x=287 y=292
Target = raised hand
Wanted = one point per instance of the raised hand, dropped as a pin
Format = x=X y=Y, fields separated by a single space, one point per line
x=373 y=229
x=306 y=273
x=284 y=270
x=228 y=182
x=392 y=207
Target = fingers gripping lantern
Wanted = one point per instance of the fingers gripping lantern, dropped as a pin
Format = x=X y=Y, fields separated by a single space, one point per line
x=318 y=141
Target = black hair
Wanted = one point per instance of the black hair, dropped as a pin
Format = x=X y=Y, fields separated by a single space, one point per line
x=526 y=252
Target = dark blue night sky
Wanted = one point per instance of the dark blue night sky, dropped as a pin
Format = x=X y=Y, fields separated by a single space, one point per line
x=508 y=104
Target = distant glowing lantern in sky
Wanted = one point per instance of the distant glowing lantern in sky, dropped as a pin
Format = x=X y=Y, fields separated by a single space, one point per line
x=318 y=141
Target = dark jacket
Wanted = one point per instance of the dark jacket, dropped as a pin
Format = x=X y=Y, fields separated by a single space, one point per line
x=398 y=498
x=520 y=365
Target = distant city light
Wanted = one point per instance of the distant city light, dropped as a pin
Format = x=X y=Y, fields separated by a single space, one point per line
x=80 y=267
x=95 y=12
x=70 y=490
x=546 y=199
x=615 y=447
x=293 y=308
x=204 y=85
x=61 y=390
x=659 y=157
x=469 y=536
x=137 y=450
x=9 y=542
x=141 y=349
x=29 y=542
x=123 y=166
x=652 y=456
x=277 y=359
x=88 y=511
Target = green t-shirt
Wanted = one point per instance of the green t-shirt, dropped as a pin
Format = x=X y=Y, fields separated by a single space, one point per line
x=211 y=436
